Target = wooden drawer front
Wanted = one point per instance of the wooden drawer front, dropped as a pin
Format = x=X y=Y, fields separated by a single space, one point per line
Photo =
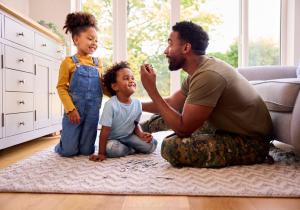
x=19 y=81
x=18 y=33
x=44 y=45
x=17 y=59
x=18 y=123
x=59 y=52
x=18 y=102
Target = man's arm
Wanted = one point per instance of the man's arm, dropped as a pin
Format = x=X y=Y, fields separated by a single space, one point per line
x=176 y=101
x=185 y=123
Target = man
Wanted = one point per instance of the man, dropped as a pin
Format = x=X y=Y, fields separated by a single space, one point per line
x=232 y=120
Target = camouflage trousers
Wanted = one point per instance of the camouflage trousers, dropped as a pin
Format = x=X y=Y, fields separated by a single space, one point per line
x=208 y=147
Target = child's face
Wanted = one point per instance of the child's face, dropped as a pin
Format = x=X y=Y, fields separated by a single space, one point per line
x=86 y=41
x=125 y=83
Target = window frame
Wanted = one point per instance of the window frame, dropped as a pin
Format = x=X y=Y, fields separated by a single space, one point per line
x=287 y=56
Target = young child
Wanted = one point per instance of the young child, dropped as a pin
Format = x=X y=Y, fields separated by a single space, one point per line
x=121 y=134
x=79 y=88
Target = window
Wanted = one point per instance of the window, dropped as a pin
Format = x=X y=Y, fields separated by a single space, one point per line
x=148 y=26
x=102 y=10
x=239 y=30
x=220 y=19
x=264 y=32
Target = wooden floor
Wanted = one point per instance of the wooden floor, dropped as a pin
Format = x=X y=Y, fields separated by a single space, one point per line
x=32 y=201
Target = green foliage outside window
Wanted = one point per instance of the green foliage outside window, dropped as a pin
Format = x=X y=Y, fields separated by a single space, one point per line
x=148 y=28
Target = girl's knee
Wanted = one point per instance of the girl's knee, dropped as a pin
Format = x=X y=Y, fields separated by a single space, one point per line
x=66 y=152
x=87 y=150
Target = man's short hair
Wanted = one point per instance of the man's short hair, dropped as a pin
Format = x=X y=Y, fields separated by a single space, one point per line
x=110 y=75
x=193 y=34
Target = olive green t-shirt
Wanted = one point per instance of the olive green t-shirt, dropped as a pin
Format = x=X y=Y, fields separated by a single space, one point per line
x=237 y=106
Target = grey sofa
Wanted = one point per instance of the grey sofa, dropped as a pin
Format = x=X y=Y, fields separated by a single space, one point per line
x=279 y=87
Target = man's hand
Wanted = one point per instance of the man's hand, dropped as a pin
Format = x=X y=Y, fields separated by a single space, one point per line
x=74 y=116
x=99 y=157
x=148 y=78
x=145 y=136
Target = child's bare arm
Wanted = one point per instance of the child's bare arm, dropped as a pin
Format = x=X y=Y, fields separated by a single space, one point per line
x=145 y=136
x=102 y=144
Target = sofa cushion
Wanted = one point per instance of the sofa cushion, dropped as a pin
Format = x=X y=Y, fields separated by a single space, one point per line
x=279 y=94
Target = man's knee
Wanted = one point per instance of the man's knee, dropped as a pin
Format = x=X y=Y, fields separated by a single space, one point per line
x=169 y=151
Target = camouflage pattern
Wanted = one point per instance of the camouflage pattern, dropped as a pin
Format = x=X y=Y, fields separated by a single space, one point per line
x=154 y=124
x=208 y=147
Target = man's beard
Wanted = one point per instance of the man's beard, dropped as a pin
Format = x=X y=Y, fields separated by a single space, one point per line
x=176 y=63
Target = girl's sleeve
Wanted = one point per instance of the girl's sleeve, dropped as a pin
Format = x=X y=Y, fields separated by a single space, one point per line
x=63 y=86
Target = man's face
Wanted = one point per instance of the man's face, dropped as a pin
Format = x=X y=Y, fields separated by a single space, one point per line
x=174 y=52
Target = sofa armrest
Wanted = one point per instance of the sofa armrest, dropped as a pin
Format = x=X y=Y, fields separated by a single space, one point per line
x=267 y=72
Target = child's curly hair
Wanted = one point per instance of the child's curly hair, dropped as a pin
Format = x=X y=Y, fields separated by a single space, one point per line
x=77 y=22
x=110 y=75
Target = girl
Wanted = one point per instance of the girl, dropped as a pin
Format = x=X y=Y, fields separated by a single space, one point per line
x=79 y=88
x=121 y=134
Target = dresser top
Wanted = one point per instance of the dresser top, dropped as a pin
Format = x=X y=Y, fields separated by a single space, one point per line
x=30 y=22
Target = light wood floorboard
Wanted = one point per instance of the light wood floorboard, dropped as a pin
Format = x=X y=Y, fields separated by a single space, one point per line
x=36 y=201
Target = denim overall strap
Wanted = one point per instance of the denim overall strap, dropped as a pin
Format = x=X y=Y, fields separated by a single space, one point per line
x=95 y=61
x=75 y=59
x=85 y=80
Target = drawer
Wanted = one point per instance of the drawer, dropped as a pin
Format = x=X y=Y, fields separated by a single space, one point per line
x=17 y=59
x=44 y=45
x=59 y=52
x=18 y=102
x=18 y=123
x=18 y=33
x=18 y=81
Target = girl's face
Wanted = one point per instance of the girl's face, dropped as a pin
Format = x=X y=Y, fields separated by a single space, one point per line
x=125 y=83
x=86 y=41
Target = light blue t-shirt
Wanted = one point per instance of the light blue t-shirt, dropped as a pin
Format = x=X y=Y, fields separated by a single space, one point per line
x=120 y=117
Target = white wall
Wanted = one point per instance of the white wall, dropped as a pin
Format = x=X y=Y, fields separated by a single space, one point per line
x=20 y=6
x=54 y=11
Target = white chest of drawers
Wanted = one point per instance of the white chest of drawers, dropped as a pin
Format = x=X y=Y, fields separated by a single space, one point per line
x=30 y=58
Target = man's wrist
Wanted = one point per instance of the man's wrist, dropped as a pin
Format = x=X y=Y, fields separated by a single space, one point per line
x=153 y=93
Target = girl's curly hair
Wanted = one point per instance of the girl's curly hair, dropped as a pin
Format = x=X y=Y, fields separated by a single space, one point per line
x=110 y=75
x=77 y=22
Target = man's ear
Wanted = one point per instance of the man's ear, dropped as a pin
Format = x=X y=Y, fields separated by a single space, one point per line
x=187 y=48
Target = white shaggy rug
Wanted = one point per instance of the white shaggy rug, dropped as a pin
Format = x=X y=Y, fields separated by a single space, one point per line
x=149 y=174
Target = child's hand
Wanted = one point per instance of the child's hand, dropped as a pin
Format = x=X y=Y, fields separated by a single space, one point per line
x=98 y=157
x=74 y=116
x=147 y=137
